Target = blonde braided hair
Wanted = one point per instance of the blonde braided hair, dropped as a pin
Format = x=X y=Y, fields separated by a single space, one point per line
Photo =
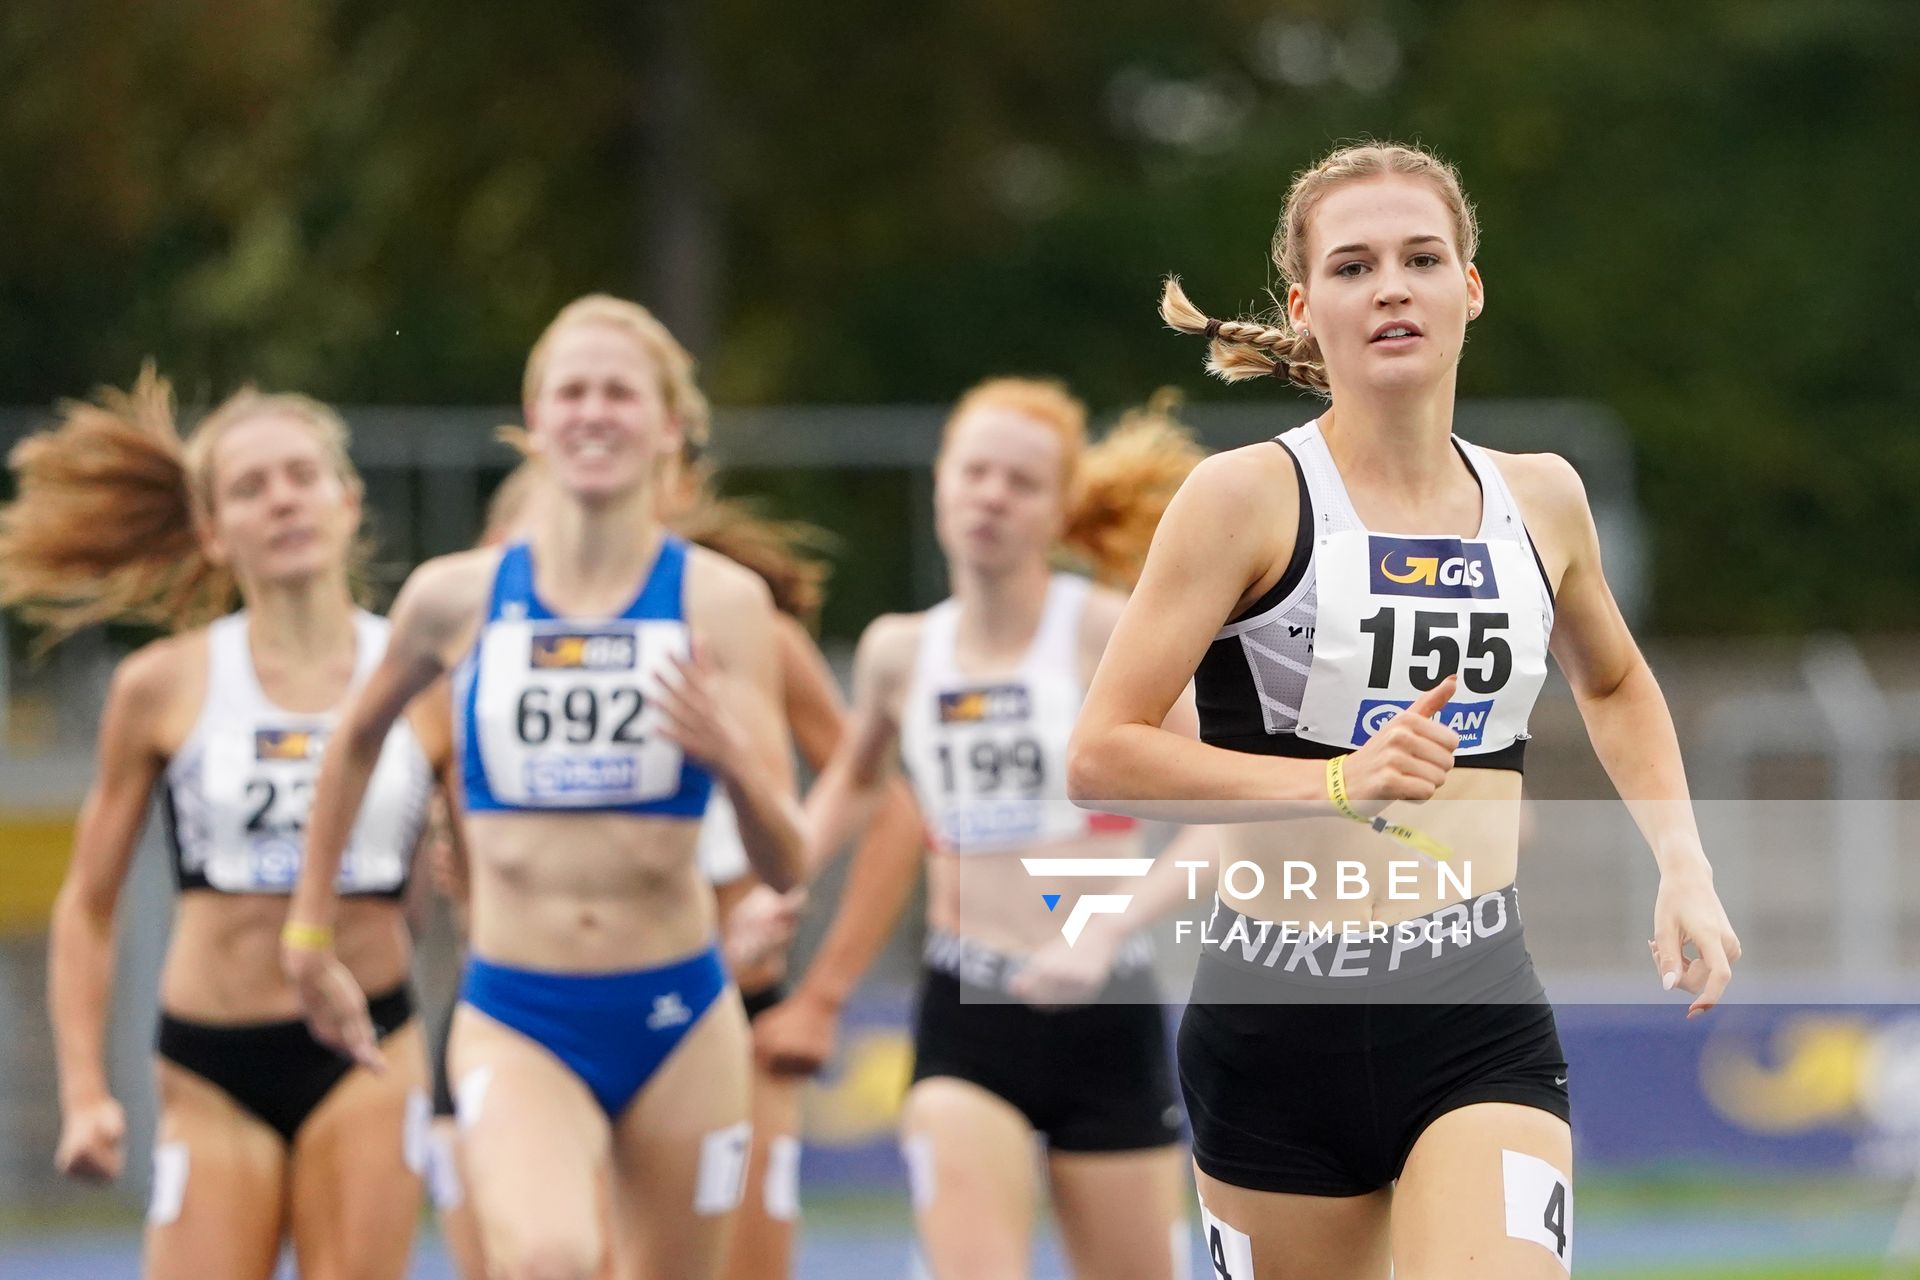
x=1268 y=346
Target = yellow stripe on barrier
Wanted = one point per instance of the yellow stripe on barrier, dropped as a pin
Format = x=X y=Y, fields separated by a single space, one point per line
x=34 y=848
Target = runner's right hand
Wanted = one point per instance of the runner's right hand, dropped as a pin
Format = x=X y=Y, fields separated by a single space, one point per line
x=1408 y=759
x=92 y=1141
x=797 y=1036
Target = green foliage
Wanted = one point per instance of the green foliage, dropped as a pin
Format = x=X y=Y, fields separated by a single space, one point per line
x=1697 y=214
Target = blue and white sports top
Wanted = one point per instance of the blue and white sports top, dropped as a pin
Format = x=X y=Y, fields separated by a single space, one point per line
x=557 y=714
x=238 y=789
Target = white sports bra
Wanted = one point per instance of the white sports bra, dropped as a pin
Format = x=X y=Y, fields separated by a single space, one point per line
x=238 y=790
x=988 y=757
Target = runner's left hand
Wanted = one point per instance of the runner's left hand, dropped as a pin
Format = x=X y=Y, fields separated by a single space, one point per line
x=760 y=927
x=1688 y=910
x=695 y=714
x=1059 y=975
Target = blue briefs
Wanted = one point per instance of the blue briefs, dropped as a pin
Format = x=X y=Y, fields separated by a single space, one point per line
x=613 y=1030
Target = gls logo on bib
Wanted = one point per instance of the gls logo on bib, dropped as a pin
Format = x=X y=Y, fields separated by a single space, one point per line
x=1468 y=719
x=989 y=705
x=584 y=651
x=1436 y=568
x=288 y=744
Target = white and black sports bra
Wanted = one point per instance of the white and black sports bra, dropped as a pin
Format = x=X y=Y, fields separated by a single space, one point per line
x=987 y=758
x=238 y=790
x=1361 y=623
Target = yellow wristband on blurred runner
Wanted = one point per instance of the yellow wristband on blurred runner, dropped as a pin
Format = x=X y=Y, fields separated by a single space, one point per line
x=306 y=937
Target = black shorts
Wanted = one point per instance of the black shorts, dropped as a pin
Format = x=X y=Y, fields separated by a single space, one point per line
x=276 y=1071
x=758 y=1002
x=1327 y=1097
x=1096 y=1077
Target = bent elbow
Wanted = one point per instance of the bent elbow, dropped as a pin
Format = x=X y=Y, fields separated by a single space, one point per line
x=1087 y=770
x=80 y=904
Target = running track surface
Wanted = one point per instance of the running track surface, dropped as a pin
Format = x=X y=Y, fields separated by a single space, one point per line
x=1725 y=1243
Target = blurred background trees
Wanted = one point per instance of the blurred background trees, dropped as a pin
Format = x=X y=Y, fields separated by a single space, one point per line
x=1700 y=215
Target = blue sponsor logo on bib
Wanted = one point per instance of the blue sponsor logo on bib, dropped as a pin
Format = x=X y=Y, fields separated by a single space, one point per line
x=273 y=863
x=1468 y=719
x=1436 y=568
x=1004 y=822
x=573 y=776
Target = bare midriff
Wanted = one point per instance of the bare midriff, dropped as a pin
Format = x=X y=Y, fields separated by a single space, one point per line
x=990 y=898
x=223 y=961
x=1475 y=814
x=586 y=893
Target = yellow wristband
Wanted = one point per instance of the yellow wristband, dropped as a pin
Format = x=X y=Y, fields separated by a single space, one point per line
x=306 y=937
x=1343 y=805
x=1337 y=790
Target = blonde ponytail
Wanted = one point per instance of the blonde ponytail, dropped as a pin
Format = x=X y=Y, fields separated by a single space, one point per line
x=106 y=527
x=103 y=527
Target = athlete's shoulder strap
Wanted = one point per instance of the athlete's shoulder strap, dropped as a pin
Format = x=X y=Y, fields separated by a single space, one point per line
x=934 y=661
x=1056 y=645
x=233 y=688
x=1310 y=429
x=513 y=583
x=370 y=633
x=227 y=642
x=1506 y=519
x=1502 y=515
x=663 y=595
x=1325 y=488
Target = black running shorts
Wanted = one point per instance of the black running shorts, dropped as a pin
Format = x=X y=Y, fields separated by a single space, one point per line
x=1299 y=1091
x=1096 y=1077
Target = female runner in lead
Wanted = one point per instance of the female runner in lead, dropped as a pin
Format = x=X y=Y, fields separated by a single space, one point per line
x=597 y=1023
x=1365 y=607
x=264 y=1133
x=980 y=694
